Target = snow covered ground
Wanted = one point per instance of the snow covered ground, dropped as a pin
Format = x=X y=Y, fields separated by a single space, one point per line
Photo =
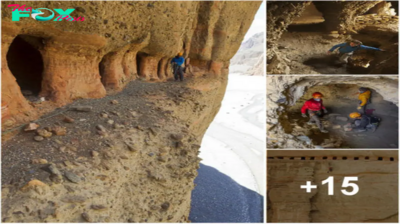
x=234 y=142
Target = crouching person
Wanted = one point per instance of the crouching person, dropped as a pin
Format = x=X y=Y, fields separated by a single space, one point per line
x=362 y=123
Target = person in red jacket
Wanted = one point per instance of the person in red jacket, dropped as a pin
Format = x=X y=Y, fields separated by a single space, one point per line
x=314 y=107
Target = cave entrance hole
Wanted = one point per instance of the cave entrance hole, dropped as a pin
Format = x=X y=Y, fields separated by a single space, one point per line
x=341 y=100
x=139 y=58
x=311 y=20
x=160 y=69
x=26 y=64
x=102 y=70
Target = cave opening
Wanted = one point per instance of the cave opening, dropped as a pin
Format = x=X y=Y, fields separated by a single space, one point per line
x=139 y=58
x=160 y=69
x=26 y=64
x=102 y=70
x=341 y=100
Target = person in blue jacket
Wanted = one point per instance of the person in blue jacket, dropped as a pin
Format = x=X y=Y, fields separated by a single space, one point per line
x=347 y=49
x=177 y=64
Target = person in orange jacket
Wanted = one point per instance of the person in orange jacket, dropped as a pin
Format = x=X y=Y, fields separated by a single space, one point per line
x=314 y=107
x=364 y=96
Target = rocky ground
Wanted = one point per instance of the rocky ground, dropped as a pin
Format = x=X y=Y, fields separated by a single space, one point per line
x=96 y=164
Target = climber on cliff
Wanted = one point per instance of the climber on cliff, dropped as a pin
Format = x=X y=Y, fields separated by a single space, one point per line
x=314 y=107
x=347 y=49
x=364 y=95
x=177 y=64
x=362 y=123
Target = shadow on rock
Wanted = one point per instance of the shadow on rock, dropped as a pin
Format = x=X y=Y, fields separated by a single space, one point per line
x=329 y=64
x=320 y=63
x=218 y=198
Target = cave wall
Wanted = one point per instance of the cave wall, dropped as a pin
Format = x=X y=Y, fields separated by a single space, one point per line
x=209 y=33
x=343 y=19
x=340 y=16
x=334 y=92
x=284 y=91
x=375 y=202
x=279 y=16
x=310 y=15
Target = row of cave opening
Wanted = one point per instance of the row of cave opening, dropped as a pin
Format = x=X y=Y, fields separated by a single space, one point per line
x=333 y=158
x=26 y=64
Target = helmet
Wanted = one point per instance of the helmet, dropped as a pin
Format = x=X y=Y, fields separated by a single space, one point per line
x=180 y=54
x=355 y=115
x=362 y=89
x=317 y=95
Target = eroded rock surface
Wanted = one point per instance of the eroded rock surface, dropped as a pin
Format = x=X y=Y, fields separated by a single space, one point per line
x=113 y=159
x=81 y=59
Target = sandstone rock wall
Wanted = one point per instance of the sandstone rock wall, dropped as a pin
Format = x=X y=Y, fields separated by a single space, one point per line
x=118 y=35
x=340 y=16
x=284 y=91
x=309 y=16
x=375 y=202
x=384 y=8
x=279 y=16
x=140 y=168
x=373 y=19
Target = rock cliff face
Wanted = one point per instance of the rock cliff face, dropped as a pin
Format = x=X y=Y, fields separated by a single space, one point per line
x=250 y=57
x=132 y=161
x=124 y=47
x=376 y=201
x=283 y=92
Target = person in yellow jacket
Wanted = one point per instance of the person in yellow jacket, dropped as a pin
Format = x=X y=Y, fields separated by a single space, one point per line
x=365 y=97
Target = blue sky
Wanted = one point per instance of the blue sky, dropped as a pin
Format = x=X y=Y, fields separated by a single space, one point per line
x=259 y=22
